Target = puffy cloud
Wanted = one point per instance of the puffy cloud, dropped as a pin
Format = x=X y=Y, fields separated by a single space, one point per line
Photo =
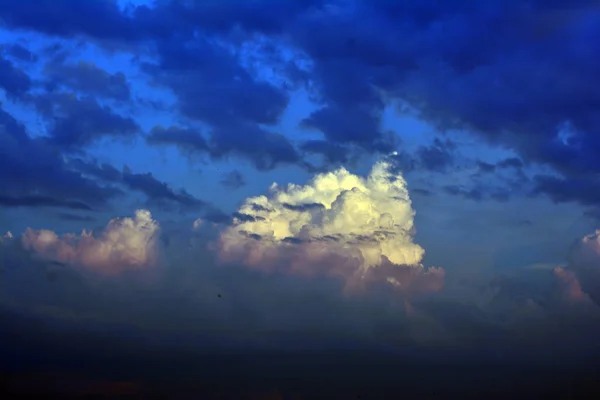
x=339 y=224
x=586 y=250
x=570 y=285
x=198 y=223
x=584 y=261
x=125 y=243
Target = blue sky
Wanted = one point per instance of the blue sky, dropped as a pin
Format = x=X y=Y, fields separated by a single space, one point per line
x=488 y=111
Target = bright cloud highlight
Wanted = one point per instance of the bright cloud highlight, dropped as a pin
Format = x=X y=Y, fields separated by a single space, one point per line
x=125 y=244
x=338 y=224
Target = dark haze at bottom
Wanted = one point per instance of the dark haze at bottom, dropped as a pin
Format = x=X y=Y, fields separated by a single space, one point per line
x=46 y=360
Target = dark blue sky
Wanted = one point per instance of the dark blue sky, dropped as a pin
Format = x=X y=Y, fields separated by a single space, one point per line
x=190 y=110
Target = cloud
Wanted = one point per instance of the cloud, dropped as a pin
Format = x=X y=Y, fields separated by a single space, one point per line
x=41 y=201
x=97 y=15
x=233 y=179
x=510 y=162
x=189 y=141
x=19 y=52
x=13 y=80
x=339 y=224
x=237 y=127
x=584 y=262
x=571 y=286
x=485 y=167
x=76 y=122
x=86 y=77
x=264 y=149
x=75 y=217
x=440 y=156
x=34 y=173
x=157 y=192
x=125 y=244
x=198 y=308
x=437 y=157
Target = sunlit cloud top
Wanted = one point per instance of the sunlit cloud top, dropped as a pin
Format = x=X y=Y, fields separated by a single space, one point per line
x=366 y=224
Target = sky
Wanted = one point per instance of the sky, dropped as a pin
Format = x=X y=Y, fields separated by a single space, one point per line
x=414 y=180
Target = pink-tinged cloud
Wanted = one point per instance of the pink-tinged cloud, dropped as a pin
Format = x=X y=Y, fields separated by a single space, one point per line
x=125 y=244
x=584 y=261
x=570 y=286
x=339 y=224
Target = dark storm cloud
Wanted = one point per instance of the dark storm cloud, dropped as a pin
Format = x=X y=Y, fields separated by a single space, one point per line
x=68 y=18
x=512 y=73
x=33 y=173
x=211 y=84
x=75 y=122
x=511 y=162
x=189 y=141
x=156 y=191
x=212 y=87
x=437 y=157
x=75 y=217
x=14 y=81
x=264 y=149
x=159 y=191
x=471 y=194
x=482 y=66
x=332 y=153
x=19 y=52
x=41 y=201
x=86 y=77
x=104 y=171
x=479 y=192
x=585 y=190
x=233 y=179
x=485 y=167
x=510 y=179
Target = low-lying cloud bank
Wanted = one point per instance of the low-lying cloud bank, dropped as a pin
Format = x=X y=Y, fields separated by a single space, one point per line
x=125 y=243
x=339 y=224
x=278 y=277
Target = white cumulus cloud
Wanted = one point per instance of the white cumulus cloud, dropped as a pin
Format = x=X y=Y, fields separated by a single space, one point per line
x=338 y=224
x=125 y=243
